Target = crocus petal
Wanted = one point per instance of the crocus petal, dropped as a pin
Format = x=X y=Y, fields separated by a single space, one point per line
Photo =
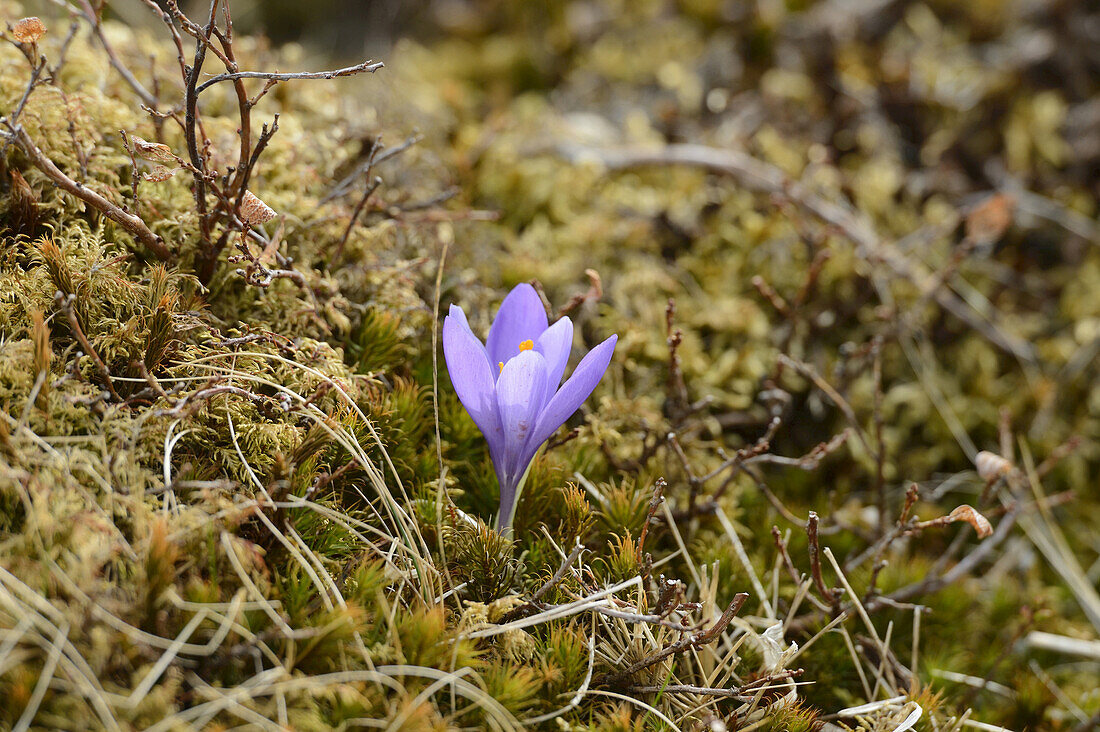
x=570 y=396
x=521 y=394
x=554 y=344
x=472 y=378
x=458 y=314
x=521 y=318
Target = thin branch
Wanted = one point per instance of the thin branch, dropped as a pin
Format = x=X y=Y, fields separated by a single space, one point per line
x=166 y=17
x=965 y=566
x=129 y=221
x=565 y=565
x=832 y=596
x=655 y=502
x=190 y=105
x=244 y=107
x=365 y=67
x=89 y=14
x=210 y=260
x=65 y=302
x=374 y=157
x=336 y=256
x=841 y=403
x=11 y=120
x=593 y=294
x=266 y=133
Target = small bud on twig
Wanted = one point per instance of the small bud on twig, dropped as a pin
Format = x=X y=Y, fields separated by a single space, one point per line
x=254 y=211
x=28 y=30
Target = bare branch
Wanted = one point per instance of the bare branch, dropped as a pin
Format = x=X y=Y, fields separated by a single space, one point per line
x=65 y=303
x=90 y=15
x=365 y=67
x=832 y=596
x=129 y=221
x=364 y=168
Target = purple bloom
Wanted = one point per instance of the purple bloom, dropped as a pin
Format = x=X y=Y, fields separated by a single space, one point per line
x=509 y=385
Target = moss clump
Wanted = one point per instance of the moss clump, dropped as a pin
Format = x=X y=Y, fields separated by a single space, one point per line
x=224 y=503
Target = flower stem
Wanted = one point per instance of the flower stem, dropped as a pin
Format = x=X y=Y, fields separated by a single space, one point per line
x=508 y=513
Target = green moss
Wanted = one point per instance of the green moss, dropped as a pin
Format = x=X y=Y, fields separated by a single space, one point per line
x=260 y=479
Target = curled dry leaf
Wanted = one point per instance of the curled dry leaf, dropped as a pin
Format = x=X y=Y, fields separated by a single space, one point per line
x=28 y=30
x=968 y=514
x=254 y=211
x=158 y=173
x=991 y=466
x=156 y=151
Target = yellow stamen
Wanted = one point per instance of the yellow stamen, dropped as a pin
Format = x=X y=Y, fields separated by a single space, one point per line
x=526 y=345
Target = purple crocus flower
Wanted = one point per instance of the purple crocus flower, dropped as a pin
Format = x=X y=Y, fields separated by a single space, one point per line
x=509 y=385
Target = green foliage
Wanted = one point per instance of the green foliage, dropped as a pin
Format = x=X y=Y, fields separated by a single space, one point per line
x=620 y=560
x=219 y=491
x=376 y=345
x=482 y=559
x=513 y=686
x=623 y=508
x=794 y=718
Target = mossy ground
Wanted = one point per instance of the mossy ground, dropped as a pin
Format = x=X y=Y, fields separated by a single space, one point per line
x=259 y=525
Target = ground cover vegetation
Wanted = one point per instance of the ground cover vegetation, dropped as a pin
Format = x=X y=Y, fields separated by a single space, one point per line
x=840 y=473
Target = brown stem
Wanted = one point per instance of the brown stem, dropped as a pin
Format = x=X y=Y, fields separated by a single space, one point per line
x=781 y=546
x=65 y=302
x=355 y=217
x=94 y=21
x=191 y=123
x=965 y=566
x=244 y=106
x=654 y=503
x=831 y=596
x=129 y=221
